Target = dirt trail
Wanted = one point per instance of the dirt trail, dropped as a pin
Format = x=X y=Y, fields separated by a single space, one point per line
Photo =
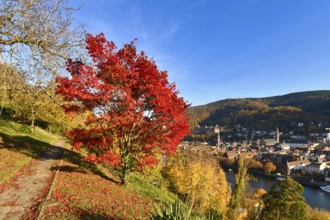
x=24 y=193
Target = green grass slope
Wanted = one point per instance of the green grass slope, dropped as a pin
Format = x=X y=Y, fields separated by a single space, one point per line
x=18 y=146
x=81 y=190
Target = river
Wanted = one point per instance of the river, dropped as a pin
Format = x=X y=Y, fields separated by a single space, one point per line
x=314 y=197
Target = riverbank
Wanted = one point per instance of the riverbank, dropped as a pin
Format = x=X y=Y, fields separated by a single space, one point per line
x=309 y=182
x=314 y=196
x=305 y=181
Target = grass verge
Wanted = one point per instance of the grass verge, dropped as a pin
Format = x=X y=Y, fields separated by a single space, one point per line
x=144 y=186
x=19 y=146
x=81 y=194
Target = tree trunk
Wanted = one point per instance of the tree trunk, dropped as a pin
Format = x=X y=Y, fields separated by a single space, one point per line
x=3 y=100
x=4 y=91
x=32 y=124
x=123 y=175
x=34 y=113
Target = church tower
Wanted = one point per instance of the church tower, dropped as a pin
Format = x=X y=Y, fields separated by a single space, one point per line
x=277 y=135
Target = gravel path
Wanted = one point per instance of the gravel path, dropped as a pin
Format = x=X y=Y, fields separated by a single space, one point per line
x=23 y=194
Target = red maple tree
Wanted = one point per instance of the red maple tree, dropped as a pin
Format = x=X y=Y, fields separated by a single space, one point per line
x=136 y=114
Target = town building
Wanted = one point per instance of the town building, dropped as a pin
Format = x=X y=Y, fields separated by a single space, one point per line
x=315 y=168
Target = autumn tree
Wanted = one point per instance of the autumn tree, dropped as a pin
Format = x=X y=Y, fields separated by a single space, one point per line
x=36 y=38
x=199 y=181
x=137 y=113
x=42 y=28
x=11 y=82
x=317 y=214
x=259 y=192
x=269 y=167
x=256 y=205
x=255 y=164
x=37 y=103
x=285 y=201
x=30 y=103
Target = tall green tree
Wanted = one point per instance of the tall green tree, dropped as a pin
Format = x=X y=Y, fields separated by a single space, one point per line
x=237 y=197
x=285 y=201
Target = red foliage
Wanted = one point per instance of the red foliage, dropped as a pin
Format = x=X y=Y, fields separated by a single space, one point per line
x=84 y=195
x=137 y=113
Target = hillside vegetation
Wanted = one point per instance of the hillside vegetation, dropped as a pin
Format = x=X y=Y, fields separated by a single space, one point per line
x=81 y=189
x=84 y=190
x=311 y=107
x=19 y=146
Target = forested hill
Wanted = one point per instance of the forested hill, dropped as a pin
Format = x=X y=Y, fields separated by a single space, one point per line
x=311 y=108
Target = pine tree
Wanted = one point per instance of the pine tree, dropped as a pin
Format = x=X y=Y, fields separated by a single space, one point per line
x=285 y=201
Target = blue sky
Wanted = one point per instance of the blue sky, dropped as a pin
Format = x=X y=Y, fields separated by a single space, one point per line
x=218 y=49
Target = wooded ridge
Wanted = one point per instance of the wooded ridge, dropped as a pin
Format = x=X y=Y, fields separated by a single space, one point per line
x=310 y=108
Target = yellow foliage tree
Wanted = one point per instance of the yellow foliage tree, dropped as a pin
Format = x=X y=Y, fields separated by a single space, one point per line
x=317 y=214
x=255 y=164
x=199 y=180
x=269 y=167
x=259 y=192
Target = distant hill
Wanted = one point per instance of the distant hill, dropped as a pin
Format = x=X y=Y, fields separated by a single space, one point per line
x=312 y=108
